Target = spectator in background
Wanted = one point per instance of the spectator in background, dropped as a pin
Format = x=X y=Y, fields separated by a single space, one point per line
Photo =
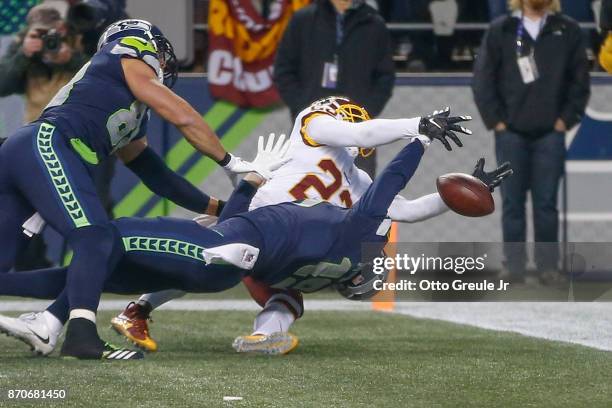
x=336 y=47
x=605 y=55
x=90 y=17
x=43 y=58
x=416 y=47
x=531 y=84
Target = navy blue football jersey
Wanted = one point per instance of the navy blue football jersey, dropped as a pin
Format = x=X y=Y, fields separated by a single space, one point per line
x=311 y=244
x=97 y=106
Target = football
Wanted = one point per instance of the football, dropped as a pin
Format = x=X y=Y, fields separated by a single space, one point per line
x=465 y=195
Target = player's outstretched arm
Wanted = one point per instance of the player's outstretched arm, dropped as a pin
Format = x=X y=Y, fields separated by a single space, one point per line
x=417 y=210
x=164 y=182
x=326 y=130
x=146 y=87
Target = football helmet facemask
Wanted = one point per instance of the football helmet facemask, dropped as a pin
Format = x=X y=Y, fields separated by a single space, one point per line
x=361 y=285
x=150 y=33
x=343 y=108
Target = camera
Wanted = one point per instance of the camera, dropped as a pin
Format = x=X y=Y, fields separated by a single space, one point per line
x=52 y=41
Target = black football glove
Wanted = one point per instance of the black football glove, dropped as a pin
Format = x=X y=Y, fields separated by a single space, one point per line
x=493 y=178
x=439 y=125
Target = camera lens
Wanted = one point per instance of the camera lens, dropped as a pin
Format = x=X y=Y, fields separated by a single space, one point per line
x=51 y=42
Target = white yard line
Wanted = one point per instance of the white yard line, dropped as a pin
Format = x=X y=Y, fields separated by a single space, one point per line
x=189 y=305
x=588 y=324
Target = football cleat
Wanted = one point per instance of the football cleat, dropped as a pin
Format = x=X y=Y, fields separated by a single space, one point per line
x=32 y=329
x=274 y=344
x=132 y=323
x=116 y=353
x=83 y=343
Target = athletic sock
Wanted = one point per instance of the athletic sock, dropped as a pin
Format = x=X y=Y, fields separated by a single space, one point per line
x=145 y=307
x=60 y=308
x=157 y=299
x=275 y=317
x=82 y=340
x=83 y=314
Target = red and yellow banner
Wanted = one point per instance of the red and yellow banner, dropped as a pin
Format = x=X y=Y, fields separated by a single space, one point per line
x=242 y=46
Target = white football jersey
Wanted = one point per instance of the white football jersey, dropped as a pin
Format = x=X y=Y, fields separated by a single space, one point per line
x=315 y=171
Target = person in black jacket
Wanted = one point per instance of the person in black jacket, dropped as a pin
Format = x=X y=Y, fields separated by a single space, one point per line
x=336 y=47
x=531 y=84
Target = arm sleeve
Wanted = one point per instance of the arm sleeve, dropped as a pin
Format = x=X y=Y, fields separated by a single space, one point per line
x=377 y=199
x=420 y=209
x=13 y=69
x=239 y=201
x=578 y=85
x=484 y=82
x=325 y=130
x=286 y=67
x=165 y=183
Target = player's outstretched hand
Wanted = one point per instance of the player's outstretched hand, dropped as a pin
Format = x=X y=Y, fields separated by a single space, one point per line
x=271 y=154
x=494 y=178
x=440 y=125
x=269 y=158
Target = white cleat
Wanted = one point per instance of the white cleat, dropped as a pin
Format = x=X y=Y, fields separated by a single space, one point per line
x=32 y=329
x=274 y=344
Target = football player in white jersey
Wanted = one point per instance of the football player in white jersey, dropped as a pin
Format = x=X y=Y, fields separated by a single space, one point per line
x=325 y=139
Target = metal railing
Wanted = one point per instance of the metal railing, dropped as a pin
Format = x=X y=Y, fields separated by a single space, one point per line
x=425 y=26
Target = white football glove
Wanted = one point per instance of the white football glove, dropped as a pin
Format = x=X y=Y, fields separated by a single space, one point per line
x=206 y=220
x=269 y=157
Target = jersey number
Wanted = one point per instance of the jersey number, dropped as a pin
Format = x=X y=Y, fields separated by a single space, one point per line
x=328 y=166
x=124 y=124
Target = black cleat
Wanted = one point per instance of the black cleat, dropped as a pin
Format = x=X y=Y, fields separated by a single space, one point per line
x=83 y=343
x=116 y=353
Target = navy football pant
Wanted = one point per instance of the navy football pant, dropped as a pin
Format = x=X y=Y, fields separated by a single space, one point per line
x=158 y=254
x=39 y=171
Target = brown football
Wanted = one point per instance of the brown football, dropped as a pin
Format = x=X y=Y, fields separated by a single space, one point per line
x=465 y=194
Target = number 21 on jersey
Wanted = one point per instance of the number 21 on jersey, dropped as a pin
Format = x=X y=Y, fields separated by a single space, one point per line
x=326 y=191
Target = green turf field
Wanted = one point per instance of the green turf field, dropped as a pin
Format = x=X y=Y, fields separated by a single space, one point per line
x=347 y=359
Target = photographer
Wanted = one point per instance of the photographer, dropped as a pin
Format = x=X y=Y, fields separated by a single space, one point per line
x=44 y=57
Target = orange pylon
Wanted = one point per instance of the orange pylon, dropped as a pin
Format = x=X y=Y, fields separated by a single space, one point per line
x=385 y=299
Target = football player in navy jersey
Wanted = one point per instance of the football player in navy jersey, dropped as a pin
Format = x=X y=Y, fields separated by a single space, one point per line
x=45 y=166
x=305 y=245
